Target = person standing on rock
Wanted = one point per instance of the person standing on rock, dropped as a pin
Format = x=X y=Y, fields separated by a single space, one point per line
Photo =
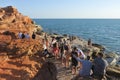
x=81 y=54
x=45 y=36
x=65 y=56
x=52 y=45
x=56 y=50
x=61 y=48
x=45 y=47
x=74 y=61
x=89 y=42
x=99 y=67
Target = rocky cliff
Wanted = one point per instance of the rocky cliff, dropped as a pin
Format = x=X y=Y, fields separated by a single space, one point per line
x=20 y=59
x=11 y=19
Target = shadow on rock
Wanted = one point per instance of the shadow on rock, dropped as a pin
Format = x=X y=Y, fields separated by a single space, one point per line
x=19 y=64
x=15 y=74
x=48 y=71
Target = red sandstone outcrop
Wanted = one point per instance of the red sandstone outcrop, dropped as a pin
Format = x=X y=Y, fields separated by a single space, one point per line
x=11 y=19
x=20 y=59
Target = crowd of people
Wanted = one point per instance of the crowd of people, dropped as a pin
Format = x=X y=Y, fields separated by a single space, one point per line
x=74 y=58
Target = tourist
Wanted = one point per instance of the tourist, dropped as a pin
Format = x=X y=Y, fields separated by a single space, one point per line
x=55 y=50
x=65 y=56
x=19 y=35
x=94 y=55
x=89 y=42
x=61 y=48
x=33 y=35
x=53 y=40
x=52 y=44
x=45 y=51
x=45 y=36
x=74 y=61
x=47 y=43
x=99 y=66
x=44 y=44
x=81 y=54
x=64 y=41
x=27 y=36
x=23 y=35
x=85 y=71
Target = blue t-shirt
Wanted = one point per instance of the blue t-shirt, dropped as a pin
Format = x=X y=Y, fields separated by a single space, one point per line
x=86 y=67
x=99 y=66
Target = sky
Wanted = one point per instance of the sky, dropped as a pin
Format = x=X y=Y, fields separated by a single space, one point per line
x=66 y=8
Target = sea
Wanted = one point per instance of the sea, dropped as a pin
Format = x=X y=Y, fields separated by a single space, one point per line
x=102 y=31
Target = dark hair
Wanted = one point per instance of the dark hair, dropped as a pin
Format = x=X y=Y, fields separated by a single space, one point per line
x=88 y=57
x=100 y=54
x=74 y=48
x=94 y=55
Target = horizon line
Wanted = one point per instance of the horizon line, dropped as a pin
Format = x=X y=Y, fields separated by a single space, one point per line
x=75 y=18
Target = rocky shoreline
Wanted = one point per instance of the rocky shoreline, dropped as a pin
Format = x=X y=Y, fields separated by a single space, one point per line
x=22 y=59
x=112 y=57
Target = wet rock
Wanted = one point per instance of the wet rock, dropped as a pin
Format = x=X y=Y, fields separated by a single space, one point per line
x=65 y=35
x=102 y=48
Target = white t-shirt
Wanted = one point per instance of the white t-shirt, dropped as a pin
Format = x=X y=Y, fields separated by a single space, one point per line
x=20 y=35
x=82 y=54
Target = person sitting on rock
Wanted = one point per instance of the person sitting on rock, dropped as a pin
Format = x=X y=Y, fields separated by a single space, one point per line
x=27 y=36
x=99 y=66
x=85 y=71
x=19 y=35
x=94 y=55
x=23 y=35
x=33 y=36
x=86 y=66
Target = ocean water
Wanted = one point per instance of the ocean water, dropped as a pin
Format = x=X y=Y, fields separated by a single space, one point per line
x=102 y=31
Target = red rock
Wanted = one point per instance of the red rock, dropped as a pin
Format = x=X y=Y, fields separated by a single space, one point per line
x=12 y=20
x=16 y=60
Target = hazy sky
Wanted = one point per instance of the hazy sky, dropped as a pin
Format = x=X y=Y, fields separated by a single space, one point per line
x=66 y=8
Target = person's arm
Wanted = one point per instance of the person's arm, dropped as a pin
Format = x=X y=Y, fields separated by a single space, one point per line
x=77 y=58
x=83 y=55
x=106 y=64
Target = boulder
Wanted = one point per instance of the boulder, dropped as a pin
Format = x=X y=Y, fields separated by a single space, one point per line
x=48 y=71
x=102 y=48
